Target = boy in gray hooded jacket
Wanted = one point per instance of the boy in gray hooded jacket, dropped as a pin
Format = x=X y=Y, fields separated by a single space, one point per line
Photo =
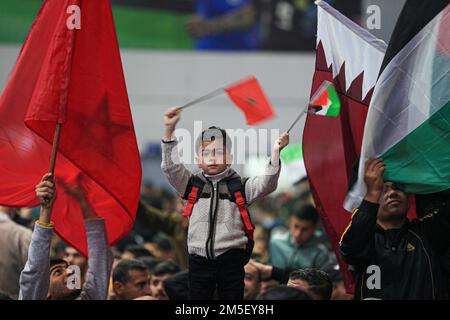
x=220 y=230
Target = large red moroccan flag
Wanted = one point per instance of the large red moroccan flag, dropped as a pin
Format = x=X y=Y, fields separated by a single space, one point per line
x=350 y=58
x=73 y=77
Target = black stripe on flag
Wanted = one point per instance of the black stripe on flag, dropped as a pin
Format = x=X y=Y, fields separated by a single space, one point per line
x=414 y=16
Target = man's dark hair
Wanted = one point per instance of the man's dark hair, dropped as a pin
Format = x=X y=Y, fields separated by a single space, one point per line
x=121 y=271
x=306 y=212
x=138 y=251
x=177 y=286
x=151 y=263
x=319 y=281
x=165 y=267
x=54 y=262
x=163 y=242
x=212 y=134
x=284 y=292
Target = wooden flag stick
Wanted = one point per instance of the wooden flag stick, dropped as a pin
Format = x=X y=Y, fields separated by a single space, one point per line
x=297 y=119
x=203 y=98
x=53 y=156
x=54 y=149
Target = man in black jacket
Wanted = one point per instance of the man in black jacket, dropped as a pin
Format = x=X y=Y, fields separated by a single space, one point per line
x=392 y=257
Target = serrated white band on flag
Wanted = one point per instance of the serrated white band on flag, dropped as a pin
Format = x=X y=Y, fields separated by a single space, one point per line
x=356 y=47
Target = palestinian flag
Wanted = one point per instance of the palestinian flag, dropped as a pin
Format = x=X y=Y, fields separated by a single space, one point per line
x=349 y=58
x=292 y=158
x=408 y=124
x=326 y=101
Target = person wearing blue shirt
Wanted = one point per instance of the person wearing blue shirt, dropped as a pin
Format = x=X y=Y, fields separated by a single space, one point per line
x=225 y=25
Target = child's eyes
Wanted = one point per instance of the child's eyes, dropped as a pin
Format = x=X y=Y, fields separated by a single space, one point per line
x=217 y=153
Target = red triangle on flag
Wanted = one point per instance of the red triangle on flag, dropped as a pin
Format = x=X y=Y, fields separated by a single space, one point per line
x=248 y=95
x=321 y=99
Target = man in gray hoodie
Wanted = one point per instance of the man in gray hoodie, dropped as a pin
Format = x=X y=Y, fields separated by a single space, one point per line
x=220 y=229
x=43 y=279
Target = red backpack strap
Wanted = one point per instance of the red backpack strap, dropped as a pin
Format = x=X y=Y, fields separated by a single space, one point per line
x=248 y=225
x=237 y=195
x=193 y=191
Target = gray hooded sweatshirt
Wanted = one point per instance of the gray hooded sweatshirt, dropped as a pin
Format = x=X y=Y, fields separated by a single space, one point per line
x=229 y=230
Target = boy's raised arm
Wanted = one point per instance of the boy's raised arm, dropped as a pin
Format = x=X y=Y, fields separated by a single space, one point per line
x=176 y=173
x=260 y=186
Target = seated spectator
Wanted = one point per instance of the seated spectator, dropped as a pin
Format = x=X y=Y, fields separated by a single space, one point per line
x=252 y=282
x=150 y=263
x=339 y=290
x=133 y=251
x=314 y=282
x=260 y=250
x=14 y=242
x=172 y=224
x=161 y=246
x=130 y=280
x=267 y=284
x=44 y=279
x=177 y=286
x=284 y=292
x=162 y=272
x=299 y=248
x=73 y=257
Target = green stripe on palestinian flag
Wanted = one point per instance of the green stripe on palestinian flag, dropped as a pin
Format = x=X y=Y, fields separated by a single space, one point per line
x=294 y=166
x=408 y=124
x=418 y=161
x=291 y=153
x=325 y=101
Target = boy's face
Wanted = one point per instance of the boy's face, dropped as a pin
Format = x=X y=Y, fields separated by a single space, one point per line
x=213 y=158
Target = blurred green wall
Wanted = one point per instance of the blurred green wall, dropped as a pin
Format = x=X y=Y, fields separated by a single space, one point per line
x=136 y=27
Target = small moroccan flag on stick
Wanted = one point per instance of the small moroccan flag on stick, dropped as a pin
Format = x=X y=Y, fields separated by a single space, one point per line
x=247 y=95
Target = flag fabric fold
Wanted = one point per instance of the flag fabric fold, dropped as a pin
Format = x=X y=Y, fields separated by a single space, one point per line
x=73 y=77
x=348 y=57
x=408 y=124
